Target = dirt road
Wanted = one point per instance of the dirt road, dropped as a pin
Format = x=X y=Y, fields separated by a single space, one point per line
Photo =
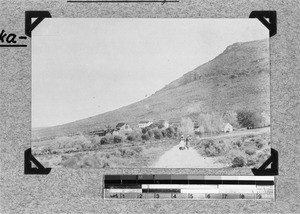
x=239 y=133
x=175 y=158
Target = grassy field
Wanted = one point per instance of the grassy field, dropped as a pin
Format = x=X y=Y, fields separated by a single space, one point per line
x=137 y=154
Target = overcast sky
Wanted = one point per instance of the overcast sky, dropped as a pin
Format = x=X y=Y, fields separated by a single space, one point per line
x=84 y=67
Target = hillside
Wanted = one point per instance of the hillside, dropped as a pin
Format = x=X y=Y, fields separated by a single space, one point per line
x=237 y=78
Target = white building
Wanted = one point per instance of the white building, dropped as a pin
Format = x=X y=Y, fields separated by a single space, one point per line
x=227 y=127
x=163 y=123
x=144 y=124
x=123 y=127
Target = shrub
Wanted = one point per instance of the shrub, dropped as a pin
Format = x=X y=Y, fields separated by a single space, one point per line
x=46 y=151
x=233 y=76
x=127 y=152
x=213 y=148
x=63 y=142
x=138 y=149
x=130 y=138
x=80 y=139
x=260 y=143
x=116 y=153
x=238 y=161
x=150 y=133
x=250 y=162
x=104 y=140
x=86 y=146
x=237 y=143
x=152 y=126
x=157 y=134
x=96 y=141
x=163 y=133
x=72 y=142
x=145 y=130
x=262 y=155
x=176 y=134
x=136 y=135
x=160 y=126
x=109 y=137
x=118 y=139
x=250 y=151
x=145 y=137
x=169 y=132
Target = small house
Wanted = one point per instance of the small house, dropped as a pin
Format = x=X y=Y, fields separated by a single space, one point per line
x=227 y=127
x=144 y=124
x=163 y=123
x=123 y=127
x=100 y=133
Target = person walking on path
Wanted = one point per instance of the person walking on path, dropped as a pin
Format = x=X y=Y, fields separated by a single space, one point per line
x=182 y=143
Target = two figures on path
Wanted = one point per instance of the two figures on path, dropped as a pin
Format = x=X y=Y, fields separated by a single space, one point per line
x=185 y=143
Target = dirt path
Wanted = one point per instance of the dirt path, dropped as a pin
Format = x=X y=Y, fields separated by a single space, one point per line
x=175 y=158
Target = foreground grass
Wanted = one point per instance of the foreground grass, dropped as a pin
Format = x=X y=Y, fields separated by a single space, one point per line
x=138 y=154
x=247 y=150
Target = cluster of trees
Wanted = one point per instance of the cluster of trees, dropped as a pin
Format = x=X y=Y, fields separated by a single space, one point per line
x=151 y=132
x=251 y=119
x=210 y=123
x=158 y=133
x=214 y=123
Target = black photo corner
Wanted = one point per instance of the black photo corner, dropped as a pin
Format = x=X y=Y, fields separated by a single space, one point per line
x=29 y=159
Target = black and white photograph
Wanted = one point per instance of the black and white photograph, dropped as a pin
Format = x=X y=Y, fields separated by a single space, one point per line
x=150 y=93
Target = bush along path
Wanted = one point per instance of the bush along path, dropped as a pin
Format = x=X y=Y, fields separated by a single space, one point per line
x=175 y=158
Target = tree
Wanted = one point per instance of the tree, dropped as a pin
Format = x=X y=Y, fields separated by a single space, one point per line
x=187 y=126
x=210 y=123
x=231 y=117
x=104 y=140
x=247 y=118
x=118 y=139
x=157 y=134
x=145 y=137
x=169 y=132
x=108 y=129
x=216 y=123
x=96 y=141
x=204 y=123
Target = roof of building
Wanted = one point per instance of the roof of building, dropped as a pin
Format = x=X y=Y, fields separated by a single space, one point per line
x=145 y=121
x=163 y=121
x=120 y=125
